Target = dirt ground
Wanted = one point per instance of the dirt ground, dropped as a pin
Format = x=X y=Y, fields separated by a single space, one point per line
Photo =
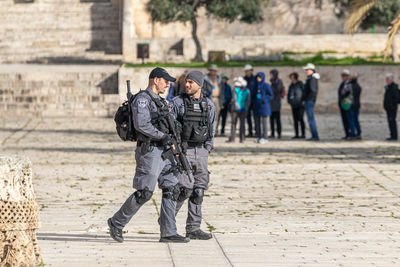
x=284 y=203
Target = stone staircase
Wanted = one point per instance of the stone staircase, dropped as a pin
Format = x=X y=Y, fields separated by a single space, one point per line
x=60 y=31
x=58 y=90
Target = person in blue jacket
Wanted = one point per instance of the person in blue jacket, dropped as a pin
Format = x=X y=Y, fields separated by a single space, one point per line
x=170 y=92
x=262 y=108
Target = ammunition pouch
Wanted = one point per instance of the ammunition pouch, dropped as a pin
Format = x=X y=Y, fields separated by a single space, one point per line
x=184 y=193
x=171 y=192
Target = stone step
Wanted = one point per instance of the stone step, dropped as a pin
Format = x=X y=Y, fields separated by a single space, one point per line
x=59 y=90
x=58 y=29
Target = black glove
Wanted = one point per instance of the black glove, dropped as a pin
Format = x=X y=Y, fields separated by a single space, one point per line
x=166 y=140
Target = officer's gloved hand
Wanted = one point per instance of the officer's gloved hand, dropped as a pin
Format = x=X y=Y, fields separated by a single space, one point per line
x=166 y=140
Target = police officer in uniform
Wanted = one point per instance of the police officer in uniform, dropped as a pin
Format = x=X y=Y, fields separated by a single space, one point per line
x=149 y=110
x=196 y=113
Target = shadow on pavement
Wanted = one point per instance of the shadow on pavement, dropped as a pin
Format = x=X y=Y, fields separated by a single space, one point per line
x=373 y=154
x=93 y=238
x=64 y=131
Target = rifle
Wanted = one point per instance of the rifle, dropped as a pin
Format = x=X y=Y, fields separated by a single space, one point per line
x=175 y=150
x=129 y=96
x=129 y=92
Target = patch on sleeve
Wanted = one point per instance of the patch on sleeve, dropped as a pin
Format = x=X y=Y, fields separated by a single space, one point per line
x=170 y=106
x=142 y=103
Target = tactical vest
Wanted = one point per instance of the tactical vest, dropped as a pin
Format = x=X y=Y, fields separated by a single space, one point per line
x=196 y=122
x=158 y=118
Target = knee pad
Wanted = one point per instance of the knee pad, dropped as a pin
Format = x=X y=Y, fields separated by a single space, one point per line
x=142 y=196
x=171 y=192
x=184 y=193
x=197 y=196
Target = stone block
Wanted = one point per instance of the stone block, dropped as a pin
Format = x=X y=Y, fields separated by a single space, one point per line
x=18 y=84
x=19 y=218
x=66 y=83
x=95 y=98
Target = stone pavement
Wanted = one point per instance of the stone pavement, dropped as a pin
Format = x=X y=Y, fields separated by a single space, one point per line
x=285 y=203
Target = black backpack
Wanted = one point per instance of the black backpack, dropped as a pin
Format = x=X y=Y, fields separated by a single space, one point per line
x=123 y=118
x=297 y=95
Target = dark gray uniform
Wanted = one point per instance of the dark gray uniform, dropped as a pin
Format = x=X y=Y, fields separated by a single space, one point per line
x=197 y=154
x=150 y=168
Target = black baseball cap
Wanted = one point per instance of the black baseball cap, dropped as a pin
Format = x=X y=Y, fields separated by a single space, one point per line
x=161 y=73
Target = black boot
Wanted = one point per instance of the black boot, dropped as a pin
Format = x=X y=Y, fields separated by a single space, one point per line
x=199 y=234
x=115 y=233
x=174 y=239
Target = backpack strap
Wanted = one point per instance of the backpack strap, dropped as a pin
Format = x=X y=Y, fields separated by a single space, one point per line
x=160 y=103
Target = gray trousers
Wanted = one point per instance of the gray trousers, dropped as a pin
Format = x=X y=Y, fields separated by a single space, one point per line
x=151 y=168
x=198 y=157
x=261 y=132
x=241 y=116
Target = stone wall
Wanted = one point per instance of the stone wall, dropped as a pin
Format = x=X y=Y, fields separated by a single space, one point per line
x=263 y=47
x=289 y=25
x=280 y=17
x=92 y=90
x=54 y=90
x=371 y=79
x=53 y=31
x=91 y=31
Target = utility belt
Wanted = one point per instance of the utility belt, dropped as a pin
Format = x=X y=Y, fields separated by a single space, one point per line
x=152 y=143
x=193 y=144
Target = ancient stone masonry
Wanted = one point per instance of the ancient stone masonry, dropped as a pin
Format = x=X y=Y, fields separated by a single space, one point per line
x=19 y=215
x=58 y=90
x=53 y=31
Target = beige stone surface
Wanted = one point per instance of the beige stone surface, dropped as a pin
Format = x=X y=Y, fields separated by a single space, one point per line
x=285 y=203
x=58 y=90
x=289 y=25
x=73 y=31
x=49 y=31
x=264 y=48
x=280 y=17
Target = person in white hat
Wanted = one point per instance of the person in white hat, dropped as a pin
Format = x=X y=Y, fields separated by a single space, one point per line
x=310 y=97
x=240 y=107
x=345 y=78
x=252 y=86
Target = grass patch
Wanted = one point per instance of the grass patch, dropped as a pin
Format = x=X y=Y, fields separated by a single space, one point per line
x=210 y=227
x=143 y=232
x=317 y=59
x=155 y=206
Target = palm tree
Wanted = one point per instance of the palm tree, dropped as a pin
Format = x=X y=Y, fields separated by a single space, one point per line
x=359 y=12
